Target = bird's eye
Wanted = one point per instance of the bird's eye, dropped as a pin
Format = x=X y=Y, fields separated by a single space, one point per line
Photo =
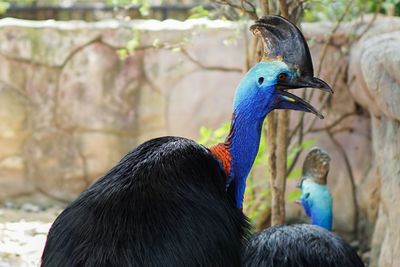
x=260 y=80
x=306 y=195
x=282 y=76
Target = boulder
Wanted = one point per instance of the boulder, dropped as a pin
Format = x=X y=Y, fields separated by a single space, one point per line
x=375 y=64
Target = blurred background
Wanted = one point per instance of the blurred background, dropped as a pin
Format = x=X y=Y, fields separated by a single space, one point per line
x=84 y=82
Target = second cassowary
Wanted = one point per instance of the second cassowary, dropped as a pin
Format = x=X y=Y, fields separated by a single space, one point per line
x=315 y=197
x=302 y=245
x=165 y=203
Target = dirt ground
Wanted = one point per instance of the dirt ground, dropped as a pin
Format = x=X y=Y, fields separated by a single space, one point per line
x=23 y=228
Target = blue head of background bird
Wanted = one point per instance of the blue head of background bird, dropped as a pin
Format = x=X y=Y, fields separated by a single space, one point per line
x=316 y=198
x=286 y=64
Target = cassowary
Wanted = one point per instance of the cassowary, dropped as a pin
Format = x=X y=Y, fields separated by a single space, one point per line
x=302 y=245
x=315 y=197
x=286 y=64
x=165 y=203
x=299 y=245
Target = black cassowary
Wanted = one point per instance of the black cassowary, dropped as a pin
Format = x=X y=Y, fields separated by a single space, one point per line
x=163 y=204
x=302 y=245
x=299 y=245
x=171 y=202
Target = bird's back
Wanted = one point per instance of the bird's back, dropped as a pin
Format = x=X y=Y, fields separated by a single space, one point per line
x=163 y=204
x=299 y=245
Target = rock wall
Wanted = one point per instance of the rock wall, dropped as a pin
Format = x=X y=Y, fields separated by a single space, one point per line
x=375 y=66
x=71 y=107
x=73 y=101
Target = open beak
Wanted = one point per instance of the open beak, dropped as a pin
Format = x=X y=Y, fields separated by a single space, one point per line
x=291 y=101
x=286 y=100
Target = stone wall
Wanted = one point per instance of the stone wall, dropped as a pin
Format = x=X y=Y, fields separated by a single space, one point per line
x=71 y=107
x=72 y=104
x=375 y=65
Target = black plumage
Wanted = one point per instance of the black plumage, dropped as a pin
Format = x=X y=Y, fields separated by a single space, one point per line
x=163 y=204
x=299 y=245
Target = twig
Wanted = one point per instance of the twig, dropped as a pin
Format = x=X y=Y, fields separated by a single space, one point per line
x=371 y=22
x=300 y=125
x=334 y=29
x=253 y=8
x=326 y=98
x=252 y=13
x=299 y=143
x=343 y=129
x=333 y=124
x=203 y=66
x=351 y=178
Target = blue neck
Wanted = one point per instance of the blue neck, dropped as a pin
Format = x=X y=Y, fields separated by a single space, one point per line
x=318 y=206
x=254 y=98
x=322 y=218
x=243 y=145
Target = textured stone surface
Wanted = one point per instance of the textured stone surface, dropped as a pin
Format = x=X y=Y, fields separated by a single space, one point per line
x=376 y=68
x=97 y=91
x=71 y=107
x=13 y=133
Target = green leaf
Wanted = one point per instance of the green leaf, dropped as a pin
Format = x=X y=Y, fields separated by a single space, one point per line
x=157 y=43
x=4 y=6
x=308 y=143
x=294 y=195
x=176 y=49
x=296 y=173
x=133 y=44
x=205 y=135
x=198 y=12
x=122 y=53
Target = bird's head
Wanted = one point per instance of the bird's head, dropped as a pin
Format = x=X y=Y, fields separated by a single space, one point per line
x=316 y=198
x=286 y=64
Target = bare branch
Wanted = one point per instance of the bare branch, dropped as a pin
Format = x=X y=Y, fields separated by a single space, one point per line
x=251 y=12
x=333 y=124
x=212 y=68
x=299 y=143
x=334 y=29
x=351 y=179
x=371 y=22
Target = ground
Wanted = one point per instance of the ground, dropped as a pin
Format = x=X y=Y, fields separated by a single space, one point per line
x=23 y=229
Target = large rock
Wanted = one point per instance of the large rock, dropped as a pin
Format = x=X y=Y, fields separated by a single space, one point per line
x=97 y=91
x=14 y=130
x=375 y=64
x=55 y=165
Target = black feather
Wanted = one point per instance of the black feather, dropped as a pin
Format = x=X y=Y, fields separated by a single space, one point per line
x=299 y=245
x=163 y=204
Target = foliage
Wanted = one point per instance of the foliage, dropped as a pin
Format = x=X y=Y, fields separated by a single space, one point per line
x=199 y=12
x=332 y=10
x=257 y=191
x=4 y=6
x=394 y=4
